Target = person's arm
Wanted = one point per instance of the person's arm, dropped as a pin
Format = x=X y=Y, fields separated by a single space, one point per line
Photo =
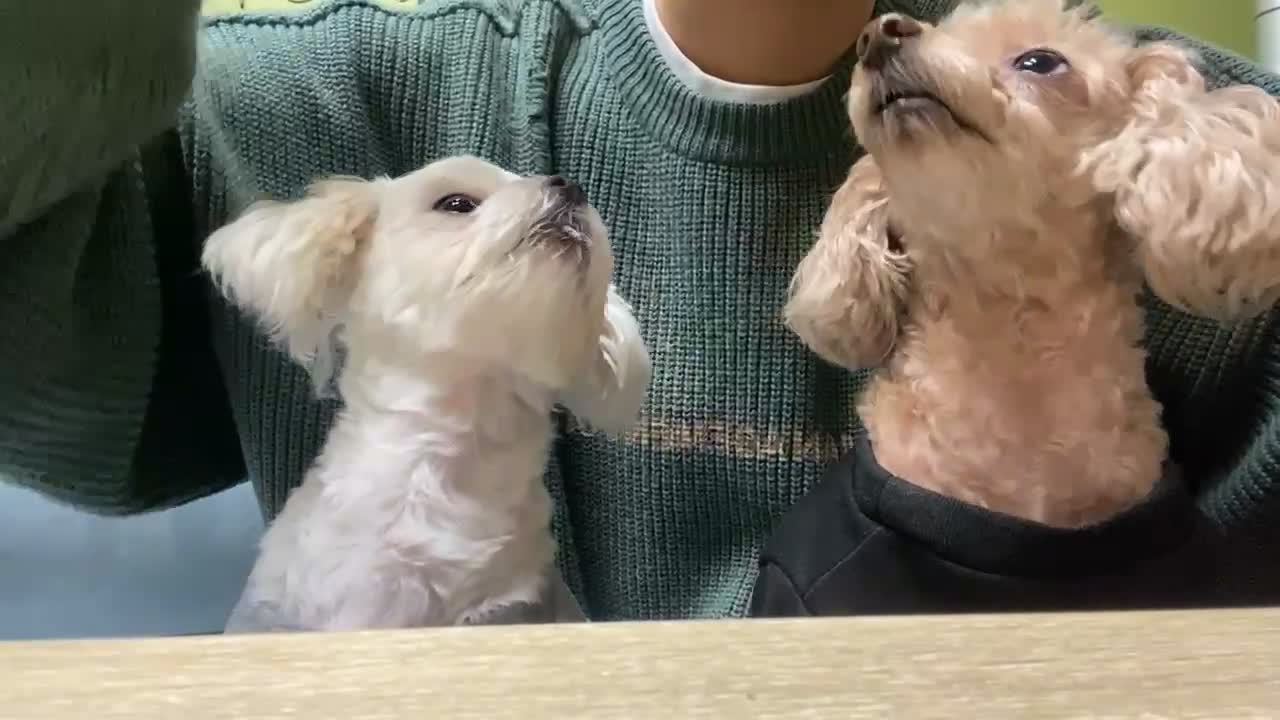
x=103 y=365
x=85 y=84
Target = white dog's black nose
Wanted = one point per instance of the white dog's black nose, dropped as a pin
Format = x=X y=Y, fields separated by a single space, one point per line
x=571 y=192
x=883 y=37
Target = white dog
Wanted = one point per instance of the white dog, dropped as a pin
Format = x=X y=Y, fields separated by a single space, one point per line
x=468 y=302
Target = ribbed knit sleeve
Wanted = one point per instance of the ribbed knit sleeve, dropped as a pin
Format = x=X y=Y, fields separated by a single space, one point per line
x=84 y=84
x=87 y=382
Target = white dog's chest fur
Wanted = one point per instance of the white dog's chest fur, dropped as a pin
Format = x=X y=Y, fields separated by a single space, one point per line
x=426 y=507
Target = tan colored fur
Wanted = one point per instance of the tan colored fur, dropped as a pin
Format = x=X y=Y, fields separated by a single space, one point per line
x=1030 y=209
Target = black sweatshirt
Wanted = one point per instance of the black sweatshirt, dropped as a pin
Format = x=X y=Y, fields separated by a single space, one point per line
x=866 y=542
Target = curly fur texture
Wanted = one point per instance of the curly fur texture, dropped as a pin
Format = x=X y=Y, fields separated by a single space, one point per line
x=992 y=245
x=846 y=295
x=1196 y=174
x=461 y=329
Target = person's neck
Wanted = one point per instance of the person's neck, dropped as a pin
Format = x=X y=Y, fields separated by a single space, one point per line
x=764 y=42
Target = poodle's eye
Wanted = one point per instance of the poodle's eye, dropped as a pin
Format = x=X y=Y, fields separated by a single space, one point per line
x=1040 y=62
x=457 y=203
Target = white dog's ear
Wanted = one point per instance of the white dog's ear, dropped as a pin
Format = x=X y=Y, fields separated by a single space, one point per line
x=292 y=264
x=608 y=394
x=1195 y=181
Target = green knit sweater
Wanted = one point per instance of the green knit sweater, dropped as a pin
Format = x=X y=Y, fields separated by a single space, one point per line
x=125 y=385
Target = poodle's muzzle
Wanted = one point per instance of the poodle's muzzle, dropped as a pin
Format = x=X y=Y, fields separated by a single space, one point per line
x=900 y=77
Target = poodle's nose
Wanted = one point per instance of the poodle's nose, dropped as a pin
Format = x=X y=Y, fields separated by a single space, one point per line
x=571 y=192
x=882 y=38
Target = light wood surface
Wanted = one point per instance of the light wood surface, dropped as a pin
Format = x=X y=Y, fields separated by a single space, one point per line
x=1219 y=664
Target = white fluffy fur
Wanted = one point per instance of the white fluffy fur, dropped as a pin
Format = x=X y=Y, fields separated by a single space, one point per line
x=426 y=505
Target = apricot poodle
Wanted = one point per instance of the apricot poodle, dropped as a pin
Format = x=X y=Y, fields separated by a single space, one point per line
x=1028 y=168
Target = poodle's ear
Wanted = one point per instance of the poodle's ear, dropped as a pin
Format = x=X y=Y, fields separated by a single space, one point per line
x=1161 y=78
x=292 y=264
x=849 y=291
x=1195 y=179
x=609 y=393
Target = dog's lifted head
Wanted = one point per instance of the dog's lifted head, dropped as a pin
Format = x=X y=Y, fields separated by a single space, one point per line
x=460 y=263
x=1008 y=104
x=987 y=112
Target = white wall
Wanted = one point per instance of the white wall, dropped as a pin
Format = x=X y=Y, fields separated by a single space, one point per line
x=1269 y=33
x=67 y=574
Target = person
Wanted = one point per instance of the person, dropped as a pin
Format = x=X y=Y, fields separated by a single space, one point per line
x=708 y=133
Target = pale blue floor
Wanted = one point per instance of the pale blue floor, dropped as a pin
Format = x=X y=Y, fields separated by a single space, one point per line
x=65 y=573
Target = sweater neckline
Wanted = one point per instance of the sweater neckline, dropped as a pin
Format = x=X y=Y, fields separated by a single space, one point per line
x=794 y=130
x=993 y=542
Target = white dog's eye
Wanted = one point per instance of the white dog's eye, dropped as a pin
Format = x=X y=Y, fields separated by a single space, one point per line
x=456 y=203
x=1040 y=61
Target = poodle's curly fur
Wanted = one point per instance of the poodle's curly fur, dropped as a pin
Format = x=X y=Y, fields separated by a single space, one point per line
x=989 y=251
